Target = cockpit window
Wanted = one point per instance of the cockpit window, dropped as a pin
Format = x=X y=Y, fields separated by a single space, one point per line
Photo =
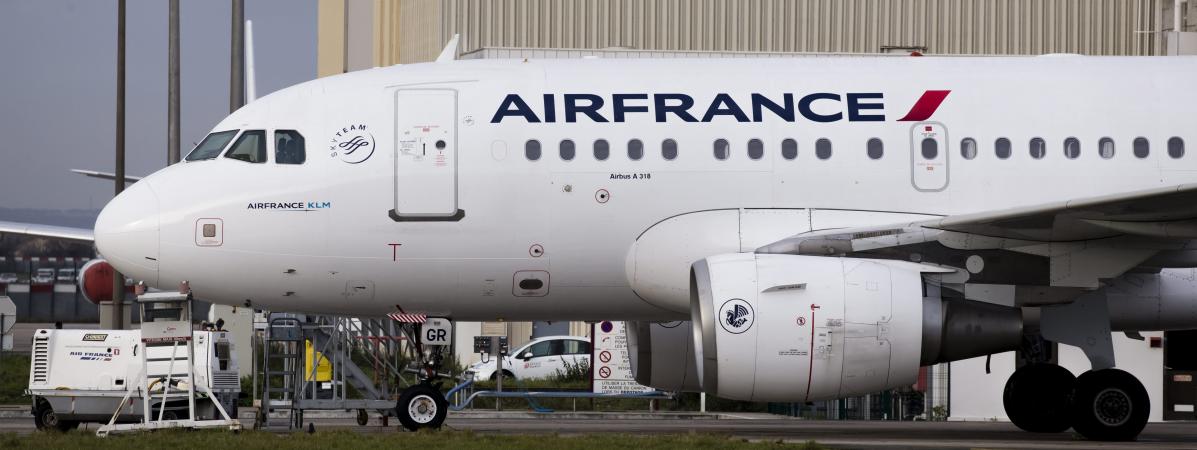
x=211 y=145
x=288 y=147
x=250 y=147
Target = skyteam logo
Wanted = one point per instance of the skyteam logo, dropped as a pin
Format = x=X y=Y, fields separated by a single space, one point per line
x=736 y=316
x=353 y=144
x=819 y=107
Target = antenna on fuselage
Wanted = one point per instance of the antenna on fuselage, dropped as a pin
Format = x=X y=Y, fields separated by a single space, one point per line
x=251 y=85
x=450 y=51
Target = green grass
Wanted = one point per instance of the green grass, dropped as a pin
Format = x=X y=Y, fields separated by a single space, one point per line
x=14 y=378
x=352 y=440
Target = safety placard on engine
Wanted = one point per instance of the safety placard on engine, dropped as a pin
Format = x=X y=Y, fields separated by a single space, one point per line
x=612 y=368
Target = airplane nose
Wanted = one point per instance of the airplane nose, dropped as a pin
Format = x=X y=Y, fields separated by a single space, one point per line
x=126 y=232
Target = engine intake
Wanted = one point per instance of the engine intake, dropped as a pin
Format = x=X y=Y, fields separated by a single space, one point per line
x=803 y=328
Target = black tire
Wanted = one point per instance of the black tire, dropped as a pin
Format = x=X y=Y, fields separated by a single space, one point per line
x=421 y=406
x=1109 y=405
x=37 y=414
x=46 y=419
x=1037 y=398
x=507 y=375
x=363 y=418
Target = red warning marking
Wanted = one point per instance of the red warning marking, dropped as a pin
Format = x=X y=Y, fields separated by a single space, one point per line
x=801 y=321
x=604 y=372
x=605 y=356
x=810 y=368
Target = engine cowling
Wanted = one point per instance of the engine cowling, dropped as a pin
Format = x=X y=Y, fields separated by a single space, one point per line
x=804 y=328
x=95 y=281
x=662 y=355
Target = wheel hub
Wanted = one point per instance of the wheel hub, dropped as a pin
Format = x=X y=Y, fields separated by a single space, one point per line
x=1112 y=407
x=422 y=409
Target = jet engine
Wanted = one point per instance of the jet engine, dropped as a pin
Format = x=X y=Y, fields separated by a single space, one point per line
x=95 y=281
x=662 y=355
x=804 y=328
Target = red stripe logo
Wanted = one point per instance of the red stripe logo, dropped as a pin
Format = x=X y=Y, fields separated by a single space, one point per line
x=925 y=107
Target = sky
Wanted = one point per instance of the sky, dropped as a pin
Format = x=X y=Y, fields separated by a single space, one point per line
x=58 y=86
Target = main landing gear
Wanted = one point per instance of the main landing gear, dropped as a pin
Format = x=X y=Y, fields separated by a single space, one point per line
x=423 y=405
x=1102 y=405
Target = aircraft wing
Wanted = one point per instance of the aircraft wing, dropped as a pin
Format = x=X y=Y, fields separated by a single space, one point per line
x=105 y=175
x=1072 y=243
x=49 y=231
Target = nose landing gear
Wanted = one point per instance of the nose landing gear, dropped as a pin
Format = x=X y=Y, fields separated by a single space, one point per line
x=1101 y=405
x=423 y=405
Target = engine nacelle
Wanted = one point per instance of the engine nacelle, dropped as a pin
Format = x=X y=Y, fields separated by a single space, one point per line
x=662 y=355
x=804 y=328
x=95 y=281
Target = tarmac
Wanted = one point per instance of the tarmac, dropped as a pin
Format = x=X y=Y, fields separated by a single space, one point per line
x=749 y=426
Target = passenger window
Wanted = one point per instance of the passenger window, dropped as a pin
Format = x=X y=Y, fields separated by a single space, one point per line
x=1105 y=148
x=540 y=349
x=250 y=147
x=1001 y=148
x=1142 y=148
x=567 y=150
x=635 y=149
x=968 y=148
x=1038 y=148
x=211 y=146
x=1176 y=147
x=602 y=149
x=756 y=149
x=789 y=149
x=930 y=148
x=532 y=149
x=573 y=347
x=289 y=147
x=669 y=149
x=875 y=149
x=1072 y=148
x=721 y=149
x=823 y=148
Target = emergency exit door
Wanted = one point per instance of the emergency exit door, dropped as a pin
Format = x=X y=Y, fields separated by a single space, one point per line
x=929 y=156
x=426 y=155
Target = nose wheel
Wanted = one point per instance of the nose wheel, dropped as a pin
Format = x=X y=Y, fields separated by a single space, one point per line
x=421 y=406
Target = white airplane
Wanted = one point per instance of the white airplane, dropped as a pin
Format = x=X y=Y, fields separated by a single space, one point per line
x=774 y=229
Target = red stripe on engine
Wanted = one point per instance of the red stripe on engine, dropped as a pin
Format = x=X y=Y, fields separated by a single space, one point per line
x=925 y=106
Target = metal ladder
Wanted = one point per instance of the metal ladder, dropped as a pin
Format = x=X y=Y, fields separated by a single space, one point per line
x=283 y=342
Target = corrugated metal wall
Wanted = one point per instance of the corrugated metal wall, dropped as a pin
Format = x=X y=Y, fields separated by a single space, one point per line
x=1095 y=27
